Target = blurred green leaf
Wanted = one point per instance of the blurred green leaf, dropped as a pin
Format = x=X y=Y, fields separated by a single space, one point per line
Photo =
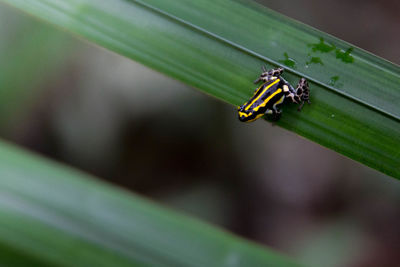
x=219 y=48
x=30 y=53
x=54 y=216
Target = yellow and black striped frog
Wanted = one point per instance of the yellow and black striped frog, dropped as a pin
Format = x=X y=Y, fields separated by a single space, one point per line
x=273 y=91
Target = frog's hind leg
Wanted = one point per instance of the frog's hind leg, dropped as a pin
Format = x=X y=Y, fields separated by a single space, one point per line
x=290 y=93
x=303 y=92
x=268 y=75
x=273 y=114
x=273 y=72
x=277 y=103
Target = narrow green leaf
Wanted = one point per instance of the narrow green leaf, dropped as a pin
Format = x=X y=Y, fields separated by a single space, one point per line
x=54 y=216
x=273 y=37
x=219 y=47
x=29 y=52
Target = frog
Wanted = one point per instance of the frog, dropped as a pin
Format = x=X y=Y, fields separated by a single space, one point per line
x=271 y=94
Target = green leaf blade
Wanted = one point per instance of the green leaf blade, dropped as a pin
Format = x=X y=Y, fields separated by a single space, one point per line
x=219 y=48
x=65 y=218
x=269 y=35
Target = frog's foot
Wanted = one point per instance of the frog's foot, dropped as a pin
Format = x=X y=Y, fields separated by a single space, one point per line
x=303 y=92
x=276 y=110
x=268 y=112
x=268 y=75
x=273 y=114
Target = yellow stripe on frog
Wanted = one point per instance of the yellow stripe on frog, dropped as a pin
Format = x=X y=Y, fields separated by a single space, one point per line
x=269 y=98
x=263 y=92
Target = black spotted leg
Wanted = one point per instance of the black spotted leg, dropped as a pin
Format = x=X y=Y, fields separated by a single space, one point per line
x=290 y=92
x=303 y=93
x=268 y=75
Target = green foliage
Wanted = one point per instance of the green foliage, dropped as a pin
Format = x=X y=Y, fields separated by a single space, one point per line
x=219 y=48
x=29 y=51
x=51 y=216
x=54 y=216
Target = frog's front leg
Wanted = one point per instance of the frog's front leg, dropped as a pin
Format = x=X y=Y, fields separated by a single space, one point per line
x=303 y=92
x=268 y=75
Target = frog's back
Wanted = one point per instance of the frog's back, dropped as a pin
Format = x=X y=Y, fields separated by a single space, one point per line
x=262 y=96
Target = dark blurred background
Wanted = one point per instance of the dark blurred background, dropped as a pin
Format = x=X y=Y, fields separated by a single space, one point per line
x=116 y=119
